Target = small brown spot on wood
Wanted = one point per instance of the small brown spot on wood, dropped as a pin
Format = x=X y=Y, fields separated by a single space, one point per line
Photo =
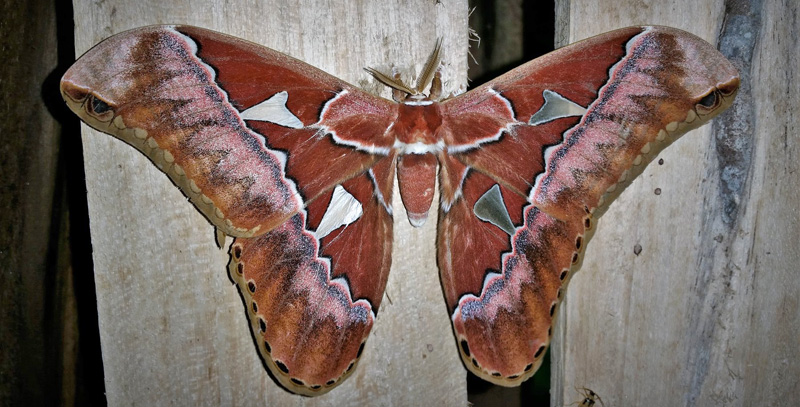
x=657 y=191
x=660 y=161
x=637 y=248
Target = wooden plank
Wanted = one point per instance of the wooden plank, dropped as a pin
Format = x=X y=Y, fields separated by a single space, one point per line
x=35 y=332
x=173 y=328
x=707 y=313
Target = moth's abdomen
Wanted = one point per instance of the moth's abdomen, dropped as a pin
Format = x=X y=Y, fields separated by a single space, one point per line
x=416 y=178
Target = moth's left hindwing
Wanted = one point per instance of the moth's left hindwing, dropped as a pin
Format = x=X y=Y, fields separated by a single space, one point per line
x=313 y=302
x=286 y=158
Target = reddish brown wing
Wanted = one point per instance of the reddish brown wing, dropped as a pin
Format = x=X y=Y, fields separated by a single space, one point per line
x=290 y=160
x=535 y=157
x=250 y=135
x=311 y=314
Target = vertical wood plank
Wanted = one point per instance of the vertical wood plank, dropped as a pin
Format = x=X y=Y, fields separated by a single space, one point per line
x=32 y=334
x=766 y=254
x=707 y=314
x=173 y=328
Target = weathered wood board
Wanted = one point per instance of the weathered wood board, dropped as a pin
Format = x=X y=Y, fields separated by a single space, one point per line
x=173 y=327
x=708 y=313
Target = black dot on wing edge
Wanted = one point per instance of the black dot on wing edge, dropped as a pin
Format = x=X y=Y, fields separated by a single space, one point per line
x=282 y=367
x=465 y=347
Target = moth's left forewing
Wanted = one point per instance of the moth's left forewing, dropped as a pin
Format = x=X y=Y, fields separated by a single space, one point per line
x=249 y=134
x=543 y=150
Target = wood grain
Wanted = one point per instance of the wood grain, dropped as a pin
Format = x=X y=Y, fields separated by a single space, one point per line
x=707 y=314
x=173 y=328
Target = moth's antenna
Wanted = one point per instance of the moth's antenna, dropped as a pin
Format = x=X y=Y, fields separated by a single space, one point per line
x=426 y=76
x=391 y=82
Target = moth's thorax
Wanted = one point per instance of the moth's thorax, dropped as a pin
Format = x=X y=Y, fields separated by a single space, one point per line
x=415 y=129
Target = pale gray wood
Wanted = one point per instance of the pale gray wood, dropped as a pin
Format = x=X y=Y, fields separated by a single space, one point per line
x=173 y=328
x=708 y=313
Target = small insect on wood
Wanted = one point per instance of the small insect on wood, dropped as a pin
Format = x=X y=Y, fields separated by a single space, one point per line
x=298 y=166
x=590 y=398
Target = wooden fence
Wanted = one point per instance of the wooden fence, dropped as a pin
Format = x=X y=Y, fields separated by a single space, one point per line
x=687 y=297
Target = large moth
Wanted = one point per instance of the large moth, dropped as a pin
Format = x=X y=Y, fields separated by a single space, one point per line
x=298 y=166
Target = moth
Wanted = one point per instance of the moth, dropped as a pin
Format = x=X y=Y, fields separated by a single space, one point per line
x=298 y=167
